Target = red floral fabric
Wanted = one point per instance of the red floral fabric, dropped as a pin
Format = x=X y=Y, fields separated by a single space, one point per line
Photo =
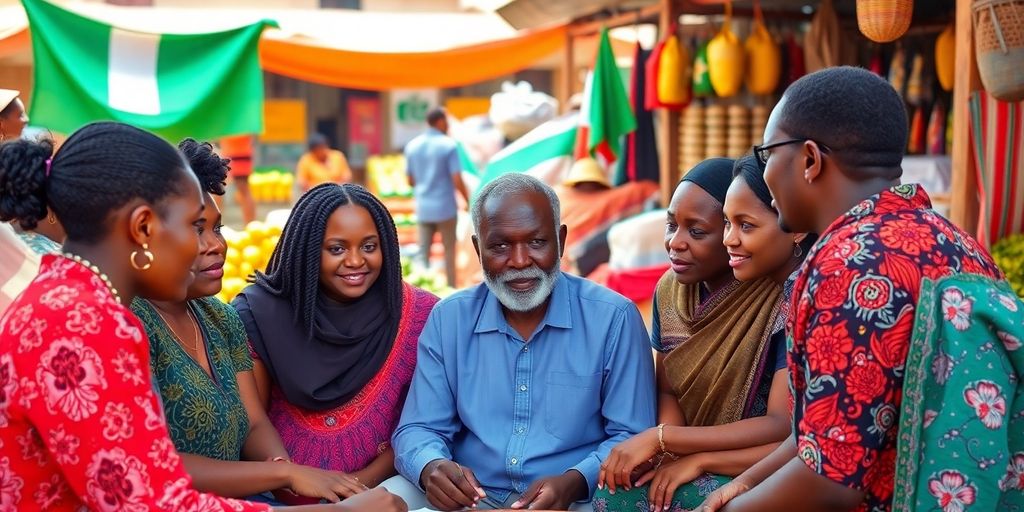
x=854 y=307
x=80 y=424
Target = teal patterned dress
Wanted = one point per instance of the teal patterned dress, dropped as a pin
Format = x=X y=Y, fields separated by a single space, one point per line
x=38 y=243
x=205 y=415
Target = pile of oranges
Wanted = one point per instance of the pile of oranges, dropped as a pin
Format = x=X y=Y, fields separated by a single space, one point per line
x=249 y=250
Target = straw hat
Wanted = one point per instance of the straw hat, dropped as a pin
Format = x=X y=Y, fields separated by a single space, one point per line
x=7 y=96
x=586 y=170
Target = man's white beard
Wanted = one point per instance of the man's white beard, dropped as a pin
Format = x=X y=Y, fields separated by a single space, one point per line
x=522 y=301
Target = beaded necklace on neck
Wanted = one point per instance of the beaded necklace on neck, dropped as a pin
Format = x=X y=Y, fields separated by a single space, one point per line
x=103 y=277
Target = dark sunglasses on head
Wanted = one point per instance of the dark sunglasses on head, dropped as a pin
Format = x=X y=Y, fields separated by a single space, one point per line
x=763 y=152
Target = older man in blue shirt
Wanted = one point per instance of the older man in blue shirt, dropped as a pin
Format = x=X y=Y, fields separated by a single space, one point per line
x=524 y=384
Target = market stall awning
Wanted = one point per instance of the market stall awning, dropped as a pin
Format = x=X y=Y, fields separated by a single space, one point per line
x=343 y=48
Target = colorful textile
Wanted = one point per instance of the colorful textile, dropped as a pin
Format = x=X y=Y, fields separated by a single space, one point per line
x=997 y=130
x=853 y=305
x=687 y=497
x=205 y=414
x=961 y=431
x=80 y=423
x=360 y=430
x=716 y=347
x=40 y=244
x=587 y=213
x=176 y=85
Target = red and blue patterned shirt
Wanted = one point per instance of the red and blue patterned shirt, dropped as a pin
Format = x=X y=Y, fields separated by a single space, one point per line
x=853 y=311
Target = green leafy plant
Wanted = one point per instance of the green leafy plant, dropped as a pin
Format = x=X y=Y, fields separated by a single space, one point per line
x=1009 y=255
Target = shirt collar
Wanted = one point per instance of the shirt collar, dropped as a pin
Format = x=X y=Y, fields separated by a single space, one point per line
x=899 y=198
x=559 y=314
x=434 y=131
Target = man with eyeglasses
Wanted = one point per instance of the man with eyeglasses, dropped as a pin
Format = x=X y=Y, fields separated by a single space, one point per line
x=833 y=149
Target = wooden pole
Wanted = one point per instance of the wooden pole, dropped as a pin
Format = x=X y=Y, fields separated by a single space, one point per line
x=964 y=192
x=567 y=75
x=668 y=121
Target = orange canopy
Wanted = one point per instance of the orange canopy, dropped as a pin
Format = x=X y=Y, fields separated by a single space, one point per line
x=306 y=60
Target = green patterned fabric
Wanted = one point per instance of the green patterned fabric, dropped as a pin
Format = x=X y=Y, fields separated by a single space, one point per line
x=961 y=437
x=205 y=415
x=687 y=496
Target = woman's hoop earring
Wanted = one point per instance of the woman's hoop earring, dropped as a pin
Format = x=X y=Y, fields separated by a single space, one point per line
x=146 y=253
x=797 y=251
x=51 y=218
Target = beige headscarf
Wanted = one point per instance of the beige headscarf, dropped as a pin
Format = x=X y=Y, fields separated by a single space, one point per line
x=719 y=345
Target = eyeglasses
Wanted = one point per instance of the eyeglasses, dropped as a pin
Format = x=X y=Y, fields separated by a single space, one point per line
x=763 y=152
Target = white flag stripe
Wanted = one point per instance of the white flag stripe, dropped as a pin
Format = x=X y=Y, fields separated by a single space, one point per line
x=131 y=75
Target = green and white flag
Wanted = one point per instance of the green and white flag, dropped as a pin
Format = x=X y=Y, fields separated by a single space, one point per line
x=176 y=85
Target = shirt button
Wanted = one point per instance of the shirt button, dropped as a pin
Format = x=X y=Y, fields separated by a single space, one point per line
x=522 y=388
x=514 y=461
x=520 y=430
x=330 y=421
x=526 y=349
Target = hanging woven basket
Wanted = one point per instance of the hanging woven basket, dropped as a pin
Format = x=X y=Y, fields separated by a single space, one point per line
x=883 y=21
x=999 y=47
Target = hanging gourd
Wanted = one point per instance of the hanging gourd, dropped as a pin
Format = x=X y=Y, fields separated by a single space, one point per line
x=674 y=74
x=764 y=59
x=701 y=76
x=725 y=58
x=999 y=47
x=883 y=21
x=945 y=58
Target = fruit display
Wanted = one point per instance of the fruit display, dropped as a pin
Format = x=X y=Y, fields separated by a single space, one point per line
x=385 y=174
x=272 y=186
x=1009 y=255
x=433 y=282
x=249 y=250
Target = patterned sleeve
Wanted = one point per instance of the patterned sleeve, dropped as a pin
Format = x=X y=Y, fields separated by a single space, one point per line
x=855 y=348
x=101 y=421
x=234 y=334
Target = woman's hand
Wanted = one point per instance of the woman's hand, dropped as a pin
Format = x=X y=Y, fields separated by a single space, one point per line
x=666 y=479
x=625 y=457
x=313 y=482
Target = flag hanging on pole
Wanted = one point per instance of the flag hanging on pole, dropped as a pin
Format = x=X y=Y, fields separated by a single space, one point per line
x=606 y=115
x=176 y=85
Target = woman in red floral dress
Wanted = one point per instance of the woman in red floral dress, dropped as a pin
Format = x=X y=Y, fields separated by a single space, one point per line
x=80 y=422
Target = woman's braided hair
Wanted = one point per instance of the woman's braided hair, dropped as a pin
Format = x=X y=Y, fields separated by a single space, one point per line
x=210 y=168
x=294 y=269
x=99 y=169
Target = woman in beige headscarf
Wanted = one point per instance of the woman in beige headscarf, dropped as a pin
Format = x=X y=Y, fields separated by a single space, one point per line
x=12 y=115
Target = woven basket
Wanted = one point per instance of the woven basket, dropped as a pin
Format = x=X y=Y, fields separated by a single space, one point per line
x=999 y=47
x=884 y=20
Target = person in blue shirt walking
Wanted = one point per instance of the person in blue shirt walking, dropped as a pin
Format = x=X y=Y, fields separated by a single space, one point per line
x=526 y=382
x=433 y=168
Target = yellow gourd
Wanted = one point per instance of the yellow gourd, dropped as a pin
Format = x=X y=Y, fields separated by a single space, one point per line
x=674 y=73
x=764 y=59
x=945 y=58
x=725 y=59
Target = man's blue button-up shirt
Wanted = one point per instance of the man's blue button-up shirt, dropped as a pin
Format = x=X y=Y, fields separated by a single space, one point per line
x=516 y=410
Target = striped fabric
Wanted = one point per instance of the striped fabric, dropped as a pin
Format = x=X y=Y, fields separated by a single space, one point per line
x=18 y=265
x=997 y=133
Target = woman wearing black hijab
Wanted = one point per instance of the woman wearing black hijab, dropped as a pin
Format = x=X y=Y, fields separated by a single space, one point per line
x=334 y=329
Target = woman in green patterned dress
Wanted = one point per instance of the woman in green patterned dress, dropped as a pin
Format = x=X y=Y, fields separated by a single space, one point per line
x=200 y=361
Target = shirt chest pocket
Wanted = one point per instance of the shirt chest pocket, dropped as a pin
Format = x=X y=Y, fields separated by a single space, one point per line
x=572 y=404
